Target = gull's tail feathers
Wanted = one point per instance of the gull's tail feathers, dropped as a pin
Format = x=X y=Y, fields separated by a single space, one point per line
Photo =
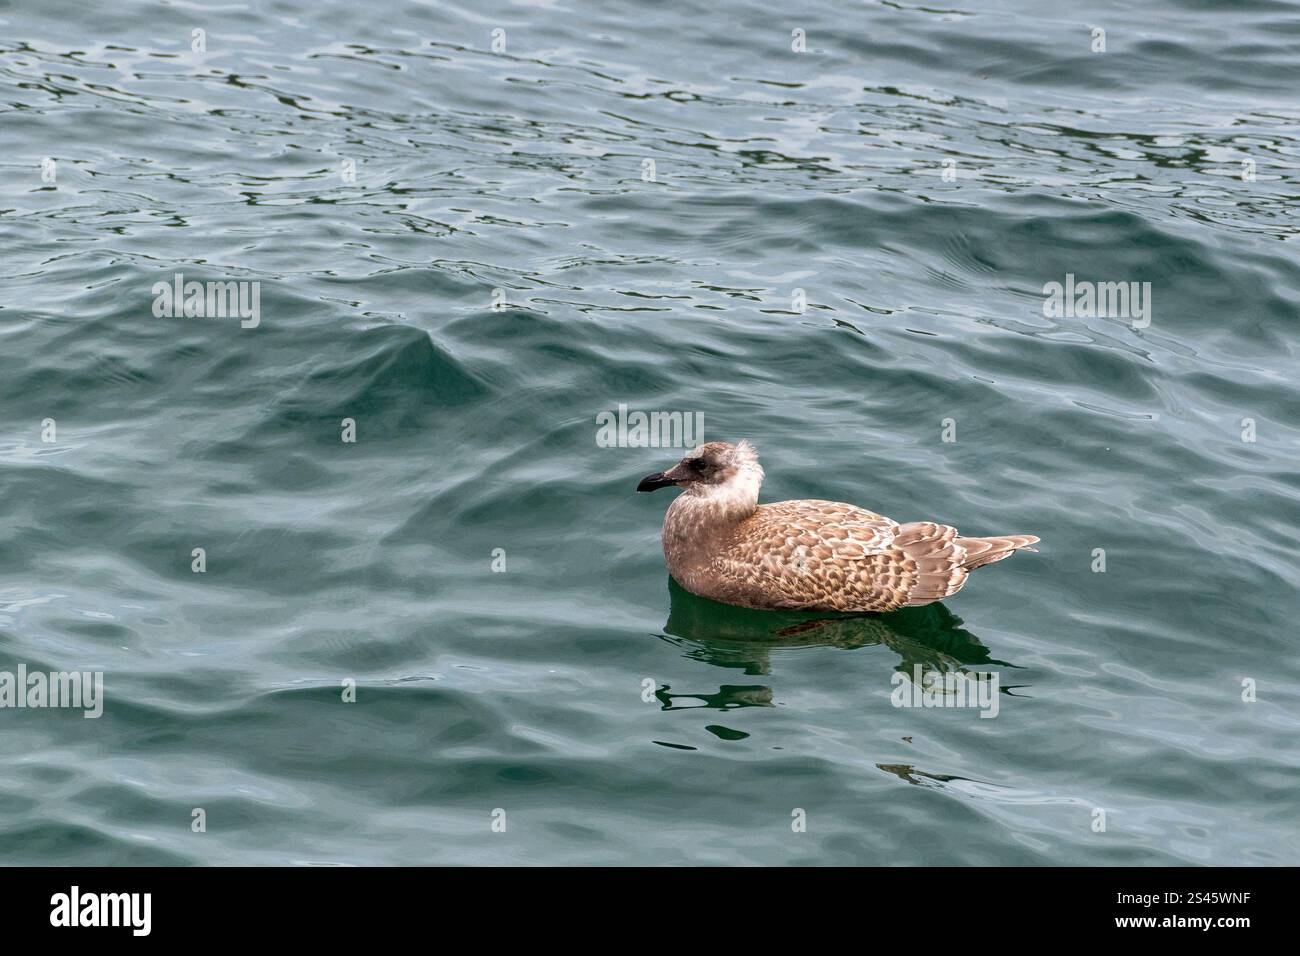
x=982 y=551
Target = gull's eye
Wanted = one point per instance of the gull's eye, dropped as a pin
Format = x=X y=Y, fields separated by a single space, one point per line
x=696 y=464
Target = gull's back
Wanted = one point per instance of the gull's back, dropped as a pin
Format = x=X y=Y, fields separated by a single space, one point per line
x=832 y=556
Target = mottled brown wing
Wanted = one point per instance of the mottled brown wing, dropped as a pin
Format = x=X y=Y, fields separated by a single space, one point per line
x=822 y=554
x=935 y=560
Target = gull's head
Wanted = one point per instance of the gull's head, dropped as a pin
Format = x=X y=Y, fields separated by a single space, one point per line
x=714 y=469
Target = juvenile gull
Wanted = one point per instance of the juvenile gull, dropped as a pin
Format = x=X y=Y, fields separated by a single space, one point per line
x=722 y=544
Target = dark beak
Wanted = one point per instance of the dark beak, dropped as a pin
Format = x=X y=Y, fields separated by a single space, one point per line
x=655 y=481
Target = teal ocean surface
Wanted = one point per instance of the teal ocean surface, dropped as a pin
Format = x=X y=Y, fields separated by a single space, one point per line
x=365 y=587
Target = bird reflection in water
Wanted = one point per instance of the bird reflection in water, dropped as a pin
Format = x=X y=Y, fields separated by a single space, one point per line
x=733 y=637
